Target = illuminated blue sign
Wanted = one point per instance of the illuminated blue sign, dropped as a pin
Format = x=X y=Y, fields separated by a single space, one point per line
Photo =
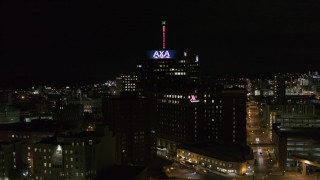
x=161 y=54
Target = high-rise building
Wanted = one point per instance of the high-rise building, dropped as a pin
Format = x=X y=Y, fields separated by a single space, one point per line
x=170 y=79
x=131 y=119
x=185 y=111
x=167 y=70
x=224 y=114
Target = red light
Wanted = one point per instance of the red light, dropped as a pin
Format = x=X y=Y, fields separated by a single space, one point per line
x=163 y=37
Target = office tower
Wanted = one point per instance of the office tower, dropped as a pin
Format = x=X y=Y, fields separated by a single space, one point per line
x=224 y=113
x=167 y=70
x=187 y=112
x=131 y=119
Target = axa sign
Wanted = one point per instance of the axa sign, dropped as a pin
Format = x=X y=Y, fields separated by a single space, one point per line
x=161 y=54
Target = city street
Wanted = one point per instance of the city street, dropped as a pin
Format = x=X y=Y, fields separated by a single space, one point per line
x=257 y=131
x=259 y=138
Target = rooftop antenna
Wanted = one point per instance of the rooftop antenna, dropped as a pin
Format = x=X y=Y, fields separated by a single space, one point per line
x=163 y=34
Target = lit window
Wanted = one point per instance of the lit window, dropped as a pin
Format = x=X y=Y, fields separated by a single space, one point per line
x=90 y=142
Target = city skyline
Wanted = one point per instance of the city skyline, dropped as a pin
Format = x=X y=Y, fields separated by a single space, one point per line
x=68 y=41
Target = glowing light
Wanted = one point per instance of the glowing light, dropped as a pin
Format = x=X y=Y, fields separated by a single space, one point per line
x=161 y=54
x=163 y=37
x=307 y=162
x=59 y=148
x=163 y=34
x=193 y=99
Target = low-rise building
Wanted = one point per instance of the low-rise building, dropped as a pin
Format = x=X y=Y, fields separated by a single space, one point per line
x=222 y=158
x=74 y=156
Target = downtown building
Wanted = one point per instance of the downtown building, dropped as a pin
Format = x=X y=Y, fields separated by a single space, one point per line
x=11 y=160
x=186 y=111
x=296 y=143
x=166 y=97
x=82 y=155
x=131 y=119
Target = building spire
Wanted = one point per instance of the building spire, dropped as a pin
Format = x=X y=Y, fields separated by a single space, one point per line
x=163 y=34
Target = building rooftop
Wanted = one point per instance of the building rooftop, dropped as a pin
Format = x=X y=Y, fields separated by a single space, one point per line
x=226 y=152
x=63 y=138
x=297 y=131
x=35 y=126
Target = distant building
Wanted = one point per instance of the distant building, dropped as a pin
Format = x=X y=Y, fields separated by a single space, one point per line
x=279 y=89
x=9 y=114
x=272 y=113
x=70 y=114
x=91 y=106
x=127 y=83
x=73 y=156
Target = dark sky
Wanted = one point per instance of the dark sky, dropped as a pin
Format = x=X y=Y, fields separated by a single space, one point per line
x=61 y=41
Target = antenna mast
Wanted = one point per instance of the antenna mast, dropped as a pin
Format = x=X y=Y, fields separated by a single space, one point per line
x=163 y=34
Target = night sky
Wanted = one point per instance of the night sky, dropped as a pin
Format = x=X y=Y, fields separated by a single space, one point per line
x=65 y=41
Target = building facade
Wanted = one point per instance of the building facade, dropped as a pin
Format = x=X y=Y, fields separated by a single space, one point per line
x=11 y=160
x=75 y=156
x=213 y=159
x=131 y=119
